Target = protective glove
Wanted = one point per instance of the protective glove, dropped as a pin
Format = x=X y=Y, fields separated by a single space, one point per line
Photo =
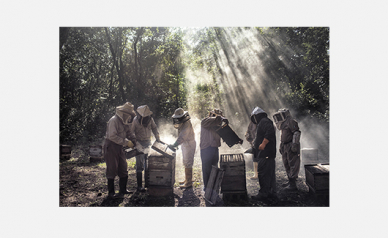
x=295 y=147
x=130 y=144
x=157 y=138
x=172 y=146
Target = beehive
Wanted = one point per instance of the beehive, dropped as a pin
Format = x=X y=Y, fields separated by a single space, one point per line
x=65 y=152
x=95 y=153
x=309 y=155
x=234 y=177
x=160 y=174
x=317 y=177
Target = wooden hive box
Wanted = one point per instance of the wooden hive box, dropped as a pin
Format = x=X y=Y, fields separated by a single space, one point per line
x=95 y=153
x=317 y=177
x=213 y=185
x=65 y=152
x=160 y=174
x=234 y=177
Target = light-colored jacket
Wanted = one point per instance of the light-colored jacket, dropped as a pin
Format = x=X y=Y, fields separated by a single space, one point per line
x=209 y=136
x=185 y=133
x=186 y=138
x=143 y=133
x=117 y=132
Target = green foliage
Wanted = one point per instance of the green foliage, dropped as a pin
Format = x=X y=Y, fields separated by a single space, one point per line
x=101 y=68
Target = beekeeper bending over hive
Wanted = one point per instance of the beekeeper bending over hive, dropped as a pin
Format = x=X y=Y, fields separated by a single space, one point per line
x=186 y=138
x=142 y=126
x=118 y=134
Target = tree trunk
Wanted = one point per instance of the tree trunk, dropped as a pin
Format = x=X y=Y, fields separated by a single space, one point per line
x=63 y=35
x=119 y=73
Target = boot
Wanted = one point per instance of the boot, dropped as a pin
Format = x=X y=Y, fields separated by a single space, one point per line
x=260 y=196
x=139 y=182
x=255 y=166
x=123 y=185
x=189 y=178
x=291 y=186
x=183 y=182
x=111 y=188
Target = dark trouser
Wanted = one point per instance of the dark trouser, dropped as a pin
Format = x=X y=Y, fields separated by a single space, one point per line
x=266 y=172
x=209 y=157
x=116 y=163
x=291 y=161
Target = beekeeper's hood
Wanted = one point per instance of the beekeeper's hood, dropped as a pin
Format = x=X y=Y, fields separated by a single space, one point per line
x=280 y=117
x=216 y=112
x=144 y=115
x=144 y=111
x=257 y=114
x=180 y=116
x=125 y=113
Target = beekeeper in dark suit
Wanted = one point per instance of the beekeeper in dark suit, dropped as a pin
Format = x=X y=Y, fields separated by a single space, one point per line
x=264 y=149
x=289 y=145
x=118 y=135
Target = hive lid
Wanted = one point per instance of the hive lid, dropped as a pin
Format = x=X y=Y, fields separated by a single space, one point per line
x=228 y=135
x=163 y=149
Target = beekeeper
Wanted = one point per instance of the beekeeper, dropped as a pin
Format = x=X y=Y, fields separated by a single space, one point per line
x=142 y=126
x=118 y=134
x=186 y=138
x=289 y=145
x=250 y=136
x=264 y=148
x=210 y=141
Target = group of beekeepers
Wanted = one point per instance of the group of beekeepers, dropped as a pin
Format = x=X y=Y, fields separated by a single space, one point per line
x=130 y=128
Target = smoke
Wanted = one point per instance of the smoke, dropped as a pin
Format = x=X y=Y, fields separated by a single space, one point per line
x=246 y=80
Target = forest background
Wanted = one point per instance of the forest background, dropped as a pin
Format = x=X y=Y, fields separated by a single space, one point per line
x=30 y=78
x=198 y=69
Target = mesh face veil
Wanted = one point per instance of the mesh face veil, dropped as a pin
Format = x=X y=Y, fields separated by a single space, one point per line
x=179 y=121
x=127 y=118
x=215 y=112
x=280 y=116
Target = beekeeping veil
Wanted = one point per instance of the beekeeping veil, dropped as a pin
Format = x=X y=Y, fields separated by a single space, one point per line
x=180 y=116
x=144 y=115
x=280 y=116
x=257 y=114
x=125 y=113
x=215 y=112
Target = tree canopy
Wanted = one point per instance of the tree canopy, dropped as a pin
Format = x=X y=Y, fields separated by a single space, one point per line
x=196 y=68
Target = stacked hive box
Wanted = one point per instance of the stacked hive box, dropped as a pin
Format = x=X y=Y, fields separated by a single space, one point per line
x=95 y=153
x=309 y=155
x=234 y=181
x=65 y=152
x=317 y=178
x=160 y=172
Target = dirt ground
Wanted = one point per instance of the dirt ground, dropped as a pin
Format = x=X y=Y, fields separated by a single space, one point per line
x=83 y=184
